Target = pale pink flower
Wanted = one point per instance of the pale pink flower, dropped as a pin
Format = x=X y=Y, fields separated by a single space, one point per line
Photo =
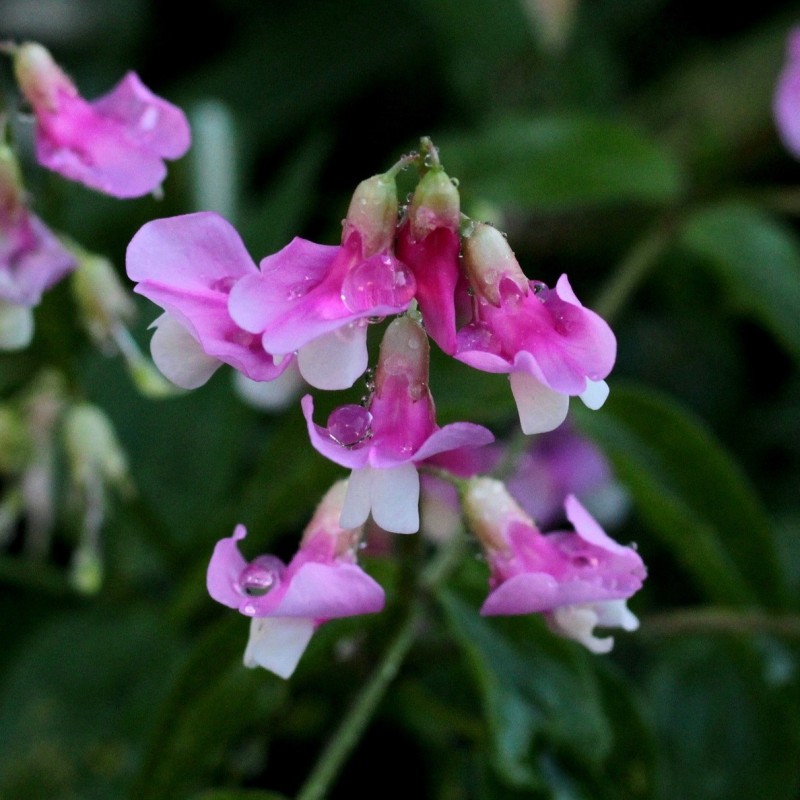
x=572 y=577
x=383 y=442
x=550 y=344
x=115 y=144
x=317 y=300
x=188 y=265
x=289 y=601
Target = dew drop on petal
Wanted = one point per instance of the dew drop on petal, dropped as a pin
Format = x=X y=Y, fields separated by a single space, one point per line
x=379 y=281
x=350 y=425
x=540 y=290
x=478 y=337
x=256 y=579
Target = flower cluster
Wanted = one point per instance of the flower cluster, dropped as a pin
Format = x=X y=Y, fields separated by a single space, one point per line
x=309 y=307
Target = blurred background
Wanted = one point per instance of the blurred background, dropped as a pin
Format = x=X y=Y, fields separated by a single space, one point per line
x=630 y=144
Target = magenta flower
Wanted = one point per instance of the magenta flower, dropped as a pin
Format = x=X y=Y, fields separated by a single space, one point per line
x=786 y=101
x=574 y=578
x=550 y=344
x=428 y=243
x=289 y=601
x=32 y=258
x=316 y=300
x=188 y=265
x=115 y=144
x=383 y=443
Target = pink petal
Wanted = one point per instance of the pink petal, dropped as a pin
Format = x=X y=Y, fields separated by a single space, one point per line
x=354 y=458
x=224 y=569
x=327 y=591
x=153 y=123
x=590 y=531
x=453 y=437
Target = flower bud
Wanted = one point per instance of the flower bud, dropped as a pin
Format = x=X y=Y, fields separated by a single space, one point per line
x=325 y=521
x=373 y=214
x=489 y=510
x=11 y=192
x=488 y=259
x=404 y=354
x=94 y=452
x=15 y=443
x=40 y=79
x=103 y=302
x=435 y=204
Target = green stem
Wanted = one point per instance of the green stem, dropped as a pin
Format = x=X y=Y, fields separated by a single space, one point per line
x=720 y=620
x=627 y=277
x=357 y=719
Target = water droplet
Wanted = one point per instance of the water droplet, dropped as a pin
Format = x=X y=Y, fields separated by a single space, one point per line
x=249 y=610
x=540 y=290
x=478 y=337
x=378 y=281
x=490 y=276
x=149 y=119
x=456 y=182
x=298 y=290
x=413 y=344
x=257 y=579
x=350 y=425
x=375 y=320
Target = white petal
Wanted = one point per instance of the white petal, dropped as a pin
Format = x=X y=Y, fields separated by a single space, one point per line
x=178 y=354
x=540 y=408
x=595 y=394
x=274 y=395
x=276 y=643
x=578 y=622
x=16 y=326
x=616 y=614
x=337 y=359
x=395 y=498
x=357 y=500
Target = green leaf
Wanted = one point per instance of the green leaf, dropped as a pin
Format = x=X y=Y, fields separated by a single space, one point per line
x=71 y=709
x=538 y=694
x=691 y=494
x=758 y=262
x=238 y=794
x=732 y=736
x=561 y=162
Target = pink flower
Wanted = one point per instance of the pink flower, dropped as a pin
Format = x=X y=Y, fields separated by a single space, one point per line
x=188 y=265
x=115 y=144
x=786 y=102
x=384 y=442
x=316 y=300
x=32 y=258
x=574 y=578
x=428 y=243
x=550 y=344
x=288 y=602
x=560 y=463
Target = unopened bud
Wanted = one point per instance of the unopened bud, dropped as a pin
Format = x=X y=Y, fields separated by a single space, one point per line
x=490 y=509
x=103 y=301
x=40 y=79
x=86 y=572
x=435 y=204
x=405 y=352
x=326 y=521
x=488 y=259
x=15 y=443
x=11 y=191
x=373 y=214
x=92 y=447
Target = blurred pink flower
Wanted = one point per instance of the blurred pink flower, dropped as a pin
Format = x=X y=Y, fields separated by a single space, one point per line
x=115 y=144
x=786 y=100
